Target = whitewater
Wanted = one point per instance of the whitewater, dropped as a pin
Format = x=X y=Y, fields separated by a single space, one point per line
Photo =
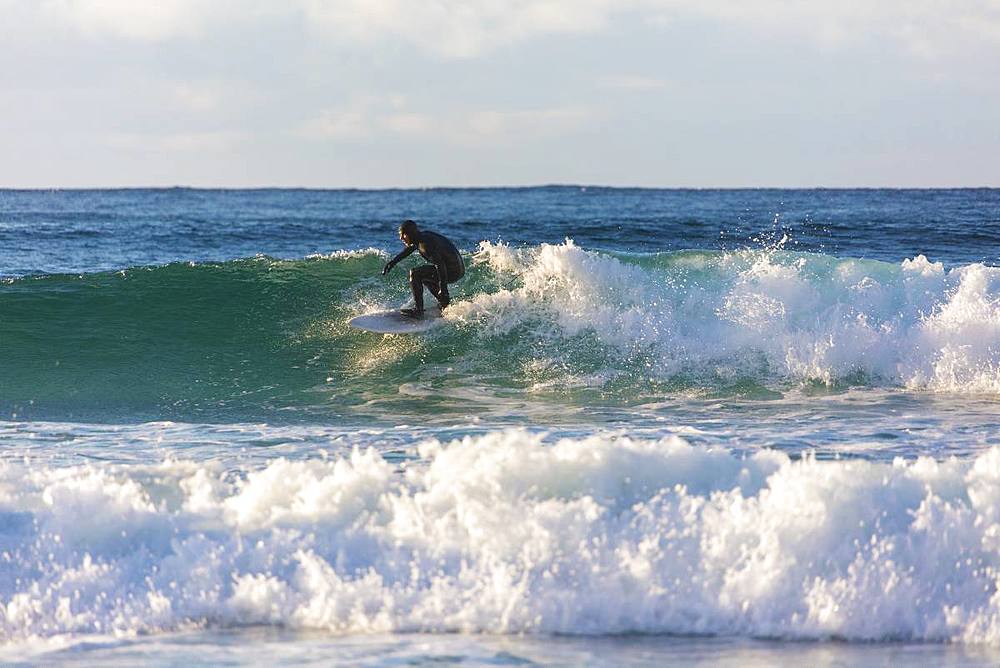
x=771 y=438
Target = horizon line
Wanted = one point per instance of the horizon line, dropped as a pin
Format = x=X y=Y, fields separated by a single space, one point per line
x=542 y=186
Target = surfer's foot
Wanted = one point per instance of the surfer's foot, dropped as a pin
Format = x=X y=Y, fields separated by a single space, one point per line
x=412 y=312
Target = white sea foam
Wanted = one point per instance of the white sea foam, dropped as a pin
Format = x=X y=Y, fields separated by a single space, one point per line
x=348 y=254
x=802 y=316
x=506 y=533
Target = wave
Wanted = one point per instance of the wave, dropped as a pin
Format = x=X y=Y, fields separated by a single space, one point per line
x=508 y=533
x=787 y=315
x=265 y=337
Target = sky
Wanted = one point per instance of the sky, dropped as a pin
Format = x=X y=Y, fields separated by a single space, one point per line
x=417 y=93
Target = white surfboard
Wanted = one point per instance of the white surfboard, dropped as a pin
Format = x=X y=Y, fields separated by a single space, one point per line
x=394 y=322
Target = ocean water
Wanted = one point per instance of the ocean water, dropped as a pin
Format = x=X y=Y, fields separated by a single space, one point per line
x=733 y=427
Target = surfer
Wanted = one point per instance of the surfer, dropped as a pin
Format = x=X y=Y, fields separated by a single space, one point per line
x=445 y=266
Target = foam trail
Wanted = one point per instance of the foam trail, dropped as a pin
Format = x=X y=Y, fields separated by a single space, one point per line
x=506 y=533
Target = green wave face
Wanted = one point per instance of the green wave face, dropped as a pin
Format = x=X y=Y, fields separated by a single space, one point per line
x=547 y=331
x=210 y=341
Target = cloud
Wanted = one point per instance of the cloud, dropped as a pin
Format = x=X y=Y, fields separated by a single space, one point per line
x=159 y=20
x=337 y=124
x=461 y=29
x=144 y=21
x=447 y=28
x=407 y=123
x=922 y=27
x=198 y=97
x=367 y=117
x=632 y=82
x=527 y=123
x=455 y=29
x=176 y=142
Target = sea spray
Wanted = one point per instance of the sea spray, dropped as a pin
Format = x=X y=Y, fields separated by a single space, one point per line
x=509 y=532
x=768 y=313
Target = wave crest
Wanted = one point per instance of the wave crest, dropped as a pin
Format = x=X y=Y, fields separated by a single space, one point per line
x=771 y=312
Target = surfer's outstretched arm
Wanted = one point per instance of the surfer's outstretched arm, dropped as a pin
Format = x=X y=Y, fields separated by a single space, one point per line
x=405 y=253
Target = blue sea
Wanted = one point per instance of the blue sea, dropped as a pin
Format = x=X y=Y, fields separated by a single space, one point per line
x=716 y=427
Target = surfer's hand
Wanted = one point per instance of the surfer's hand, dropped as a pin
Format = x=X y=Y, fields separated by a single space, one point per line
x=387 y=268
x=444 y=299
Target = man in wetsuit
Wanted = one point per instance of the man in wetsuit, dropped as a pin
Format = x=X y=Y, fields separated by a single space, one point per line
x=445 y=266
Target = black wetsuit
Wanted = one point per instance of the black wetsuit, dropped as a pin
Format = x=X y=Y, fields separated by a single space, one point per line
x=445 y=267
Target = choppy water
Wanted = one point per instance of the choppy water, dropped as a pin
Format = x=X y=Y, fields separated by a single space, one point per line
x=657 y=425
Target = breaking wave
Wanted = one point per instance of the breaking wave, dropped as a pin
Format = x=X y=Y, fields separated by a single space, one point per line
x=765 y=313
x=264 y=338
x=509 y=532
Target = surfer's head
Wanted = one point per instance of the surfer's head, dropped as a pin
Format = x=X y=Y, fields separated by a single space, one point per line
x=409 y=233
